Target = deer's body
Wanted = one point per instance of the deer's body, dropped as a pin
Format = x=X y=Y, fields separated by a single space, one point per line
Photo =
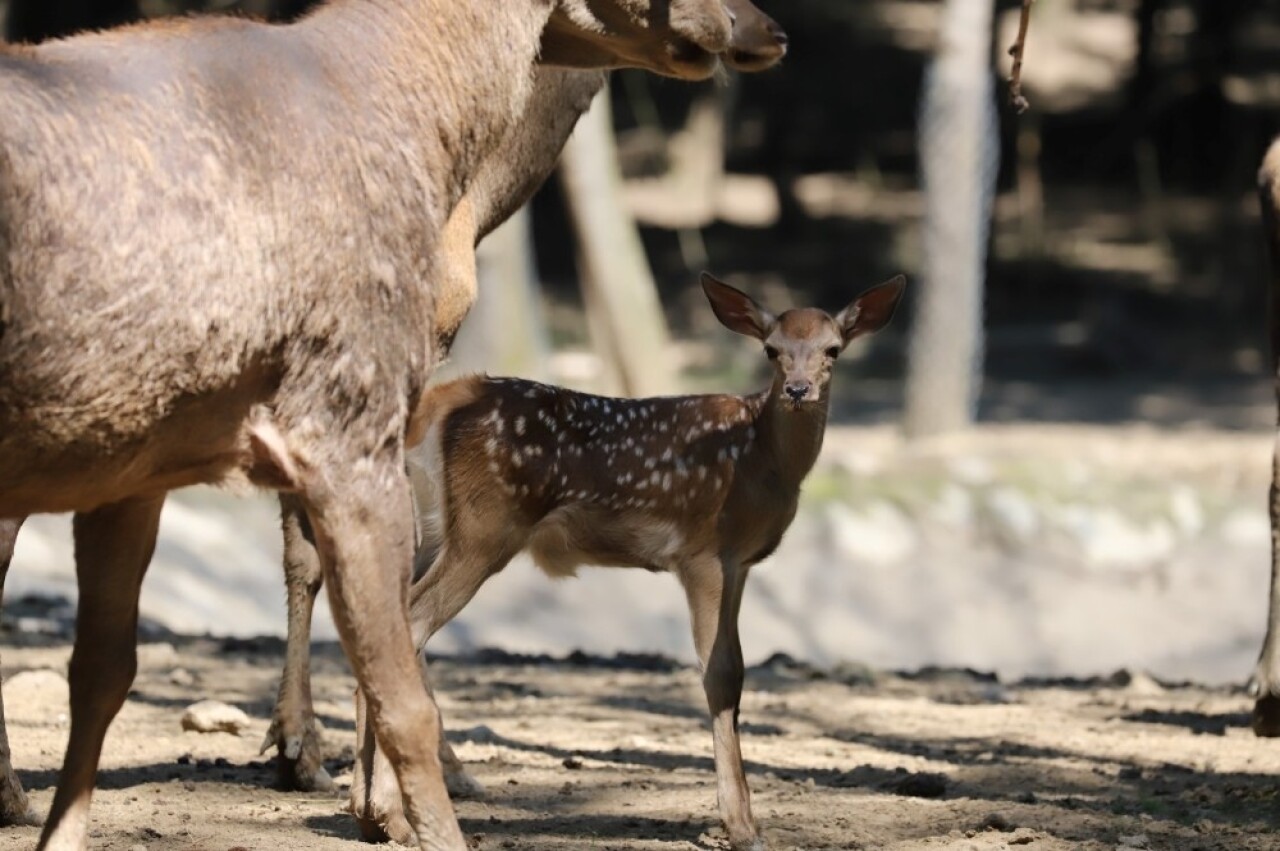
x=508 y=176
x=166 y=201
x=218 y=262
x=703 y=487
x=1265 y=682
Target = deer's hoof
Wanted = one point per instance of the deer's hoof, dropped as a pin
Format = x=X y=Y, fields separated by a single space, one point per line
x=387 y=827
x=20 y=817
x=1266 y=716
x=299 y=754
x=462 y=786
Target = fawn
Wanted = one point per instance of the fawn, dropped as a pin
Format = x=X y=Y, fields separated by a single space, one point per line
x=701 y=486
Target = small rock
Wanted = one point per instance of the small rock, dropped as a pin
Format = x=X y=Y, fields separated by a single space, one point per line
x=573 y=761
x=137 y=848
x=160 y=654
x=182 y=677
x=43 y=688
x=213 y=716
x=1138 y=840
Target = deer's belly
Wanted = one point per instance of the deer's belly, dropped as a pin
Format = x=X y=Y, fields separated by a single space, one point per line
x=571 y=537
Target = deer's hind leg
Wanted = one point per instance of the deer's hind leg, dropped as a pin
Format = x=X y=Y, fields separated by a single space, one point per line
x=113 y=548
x=364 y=534
x=299 y=747
x=713 y=589
x=444 y=590
x=14 y=807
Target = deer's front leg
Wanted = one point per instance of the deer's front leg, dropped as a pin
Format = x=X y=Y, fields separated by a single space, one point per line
x=714 y=592
x=1265 y=683
x=14 y=808
x=113 y=548
x=365 y=538
x=299 y=749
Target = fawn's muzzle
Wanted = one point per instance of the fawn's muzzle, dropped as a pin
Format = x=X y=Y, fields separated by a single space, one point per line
x=797 y=390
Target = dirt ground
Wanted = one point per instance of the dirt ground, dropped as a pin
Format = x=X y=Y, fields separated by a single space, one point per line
x=615 y=754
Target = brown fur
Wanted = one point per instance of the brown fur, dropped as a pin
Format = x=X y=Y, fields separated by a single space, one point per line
x=1264 y=685
x=703 y=487
x=200 y=273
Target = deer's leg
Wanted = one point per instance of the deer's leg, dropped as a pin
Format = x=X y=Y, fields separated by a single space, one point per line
x=299 y=752
x=435 y=599
x=365 y=540
x=1265 y=683
x=713 y=589
x=113 y=548
x=14 y=808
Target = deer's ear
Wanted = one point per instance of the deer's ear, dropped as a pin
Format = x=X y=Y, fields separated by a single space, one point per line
x=735 y=309
x=872 y=310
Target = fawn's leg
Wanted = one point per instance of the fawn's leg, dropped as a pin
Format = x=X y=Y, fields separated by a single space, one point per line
x=14 y=808
x=713 y=589
x=113 y=548
x=435 y=599
x=1265 y=683
x=299 y=753
x=365 y=539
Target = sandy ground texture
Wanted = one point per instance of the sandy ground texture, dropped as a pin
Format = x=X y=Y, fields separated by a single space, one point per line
x=615 y=754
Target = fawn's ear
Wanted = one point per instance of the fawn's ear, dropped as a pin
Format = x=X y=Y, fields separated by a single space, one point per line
x=735 y=309
x=872 y=310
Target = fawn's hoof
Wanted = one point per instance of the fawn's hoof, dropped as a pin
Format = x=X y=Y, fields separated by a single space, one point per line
x=462 y=786
x=1266 y=716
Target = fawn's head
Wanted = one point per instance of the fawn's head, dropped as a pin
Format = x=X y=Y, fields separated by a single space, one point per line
x=803 y=343
x=676 y=38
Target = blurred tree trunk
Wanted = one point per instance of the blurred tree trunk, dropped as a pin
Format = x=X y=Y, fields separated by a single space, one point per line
x=959 y=153
x=506 y=331
x=624 y=313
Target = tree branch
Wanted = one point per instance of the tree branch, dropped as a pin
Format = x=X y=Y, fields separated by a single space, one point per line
x=1019 y=103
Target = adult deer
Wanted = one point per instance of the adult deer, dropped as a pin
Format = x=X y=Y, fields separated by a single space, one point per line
x=1264 y=685
x=703 y=487
x=506 y=180
x=261 y=304
x=508 y=177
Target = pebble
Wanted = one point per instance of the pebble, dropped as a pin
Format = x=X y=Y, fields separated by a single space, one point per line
x=213 y=716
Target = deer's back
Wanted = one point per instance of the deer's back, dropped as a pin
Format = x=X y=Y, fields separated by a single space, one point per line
x=193 y=224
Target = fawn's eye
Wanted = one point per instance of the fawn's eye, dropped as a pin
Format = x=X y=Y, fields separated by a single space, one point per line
x=833 y=352
x=770 y=352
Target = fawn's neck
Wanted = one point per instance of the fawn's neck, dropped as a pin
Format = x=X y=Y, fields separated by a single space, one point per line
x=447 y=77
x=791 y=439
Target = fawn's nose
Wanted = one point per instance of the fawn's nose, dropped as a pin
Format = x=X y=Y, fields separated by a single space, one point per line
x=797 y=390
